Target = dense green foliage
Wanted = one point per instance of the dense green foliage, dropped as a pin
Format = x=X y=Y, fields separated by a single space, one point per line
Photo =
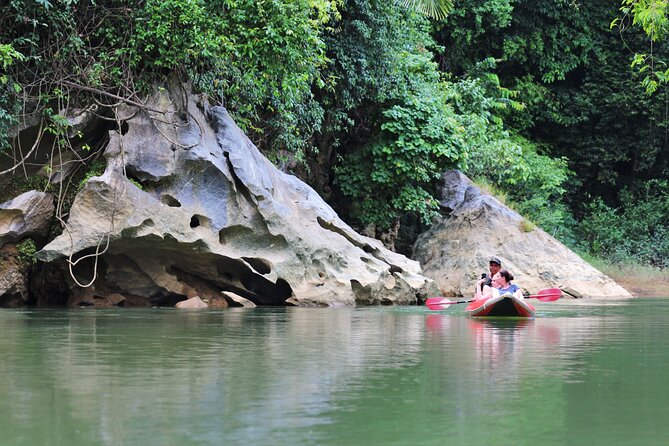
x=585 y=108
x=26 y=251
x=370 y=101
x=636 y=230
x=404 y=123
x=437 y=9
x=411 y=133
x=260 y=58
x=651 y=16
x=8 y=92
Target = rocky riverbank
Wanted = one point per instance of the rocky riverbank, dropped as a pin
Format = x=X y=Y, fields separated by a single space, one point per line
x=640 y=281
x=186 y=206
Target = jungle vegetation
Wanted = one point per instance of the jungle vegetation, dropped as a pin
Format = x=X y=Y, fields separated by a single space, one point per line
x=560 y=105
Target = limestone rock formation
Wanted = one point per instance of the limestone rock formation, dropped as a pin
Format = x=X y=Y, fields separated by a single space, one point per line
x=456 y=249
x=193 y=302
x=13 y=278
x=28 y=215
x=188 y=207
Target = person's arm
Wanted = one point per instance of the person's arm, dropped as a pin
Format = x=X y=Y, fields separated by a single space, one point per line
x=485 y=294
x=518 y=293
x=479 y=287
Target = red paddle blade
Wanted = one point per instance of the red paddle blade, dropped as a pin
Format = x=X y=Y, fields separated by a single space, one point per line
x=438 y=303
x=548 y=295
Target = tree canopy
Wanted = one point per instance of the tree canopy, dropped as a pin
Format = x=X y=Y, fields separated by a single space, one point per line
x=561 y=106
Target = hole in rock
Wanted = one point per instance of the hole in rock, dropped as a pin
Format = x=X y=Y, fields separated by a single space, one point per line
x=170 y=201
x=247 y=283
x=124 y=128
x=86 y=268
x=266 y=292
x=260 y=265
x=134 y=175
x=200 y=220
x=84 y=140
x=395 y=269
x=167 y=300
x=356 y=286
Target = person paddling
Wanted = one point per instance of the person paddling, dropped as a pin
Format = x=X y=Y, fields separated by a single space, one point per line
x=501 y=284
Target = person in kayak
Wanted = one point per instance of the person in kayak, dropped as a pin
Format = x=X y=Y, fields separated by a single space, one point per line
x=501 y=284
x=505 y=285
x=494 y=265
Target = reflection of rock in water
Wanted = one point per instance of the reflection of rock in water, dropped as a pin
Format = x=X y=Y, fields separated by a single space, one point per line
x=294 y=369
x=279 y=361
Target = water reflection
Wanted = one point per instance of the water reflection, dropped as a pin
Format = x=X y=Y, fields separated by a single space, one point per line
x=497 y=345
x=514 y=348
x=325 y=376
x=242 y=373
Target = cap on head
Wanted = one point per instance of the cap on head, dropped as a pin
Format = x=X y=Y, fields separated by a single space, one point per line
x=495 y=260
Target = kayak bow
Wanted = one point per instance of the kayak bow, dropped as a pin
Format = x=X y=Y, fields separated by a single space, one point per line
x=506 y=305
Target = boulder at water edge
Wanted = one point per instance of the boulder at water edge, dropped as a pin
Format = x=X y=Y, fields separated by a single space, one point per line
x=187 y=205
x=28 y=215
x=456 y=249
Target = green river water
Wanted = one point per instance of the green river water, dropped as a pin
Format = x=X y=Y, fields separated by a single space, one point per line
x=581 y=373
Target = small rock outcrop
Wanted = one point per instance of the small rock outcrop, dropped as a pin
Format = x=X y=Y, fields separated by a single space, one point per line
x=456 y=249
x=193 y=302
x=188 y=208
x=23 y=220
x=28 y=215
x=13 y=277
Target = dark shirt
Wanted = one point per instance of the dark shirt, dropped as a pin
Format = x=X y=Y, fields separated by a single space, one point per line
x=488 y=281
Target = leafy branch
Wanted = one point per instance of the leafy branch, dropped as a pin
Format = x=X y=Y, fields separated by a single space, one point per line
x=436 y=9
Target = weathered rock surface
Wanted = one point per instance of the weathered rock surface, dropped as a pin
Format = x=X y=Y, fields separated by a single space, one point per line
x=238 y=301
x=193 y=302
x=214 y=215
x=28 y=215
x=456 y=249
x=13 y=278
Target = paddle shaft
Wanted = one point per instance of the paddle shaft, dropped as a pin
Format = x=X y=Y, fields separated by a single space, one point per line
x=547 y=295
x=452 y=302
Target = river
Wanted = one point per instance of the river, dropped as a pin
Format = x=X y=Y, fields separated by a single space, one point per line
x=581 y=373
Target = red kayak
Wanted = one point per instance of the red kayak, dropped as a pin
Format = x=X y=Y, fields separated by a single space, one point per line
x=505 y=305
